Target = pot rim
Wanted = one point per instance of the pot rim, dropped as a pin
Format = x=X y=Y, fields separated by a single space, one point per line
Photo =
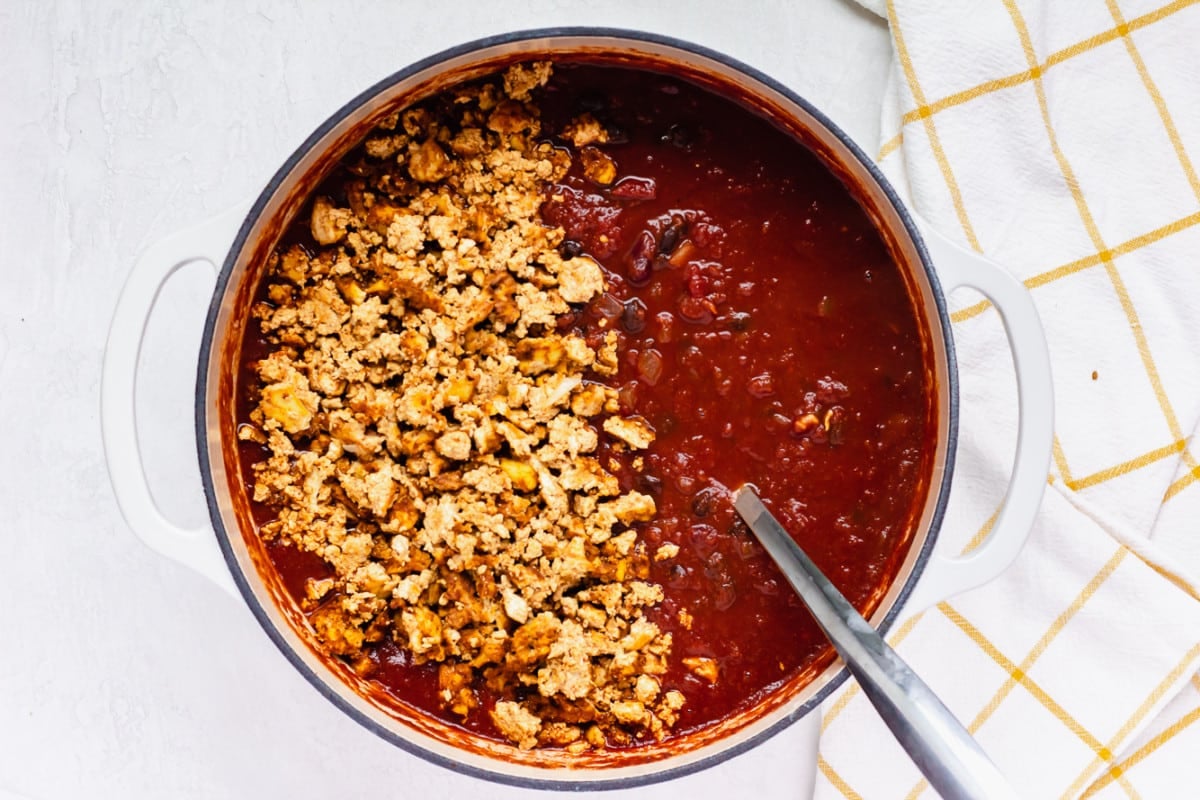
x=320 y=683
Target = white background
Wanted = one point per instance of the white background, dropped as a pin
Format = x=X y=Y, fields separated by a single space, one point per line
x=123 y=675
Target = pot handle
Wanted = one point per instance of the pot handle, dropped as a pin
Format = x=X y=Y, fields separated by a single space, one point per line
x=193 y=548
x=957 y=267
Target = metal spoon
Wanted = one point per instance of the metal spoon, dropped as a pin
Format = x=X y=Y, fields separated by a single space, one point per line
x=938 y=744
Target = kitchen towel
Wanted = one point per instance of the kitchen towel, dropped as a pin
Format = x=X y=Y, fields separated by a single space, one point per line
x=1060 y=138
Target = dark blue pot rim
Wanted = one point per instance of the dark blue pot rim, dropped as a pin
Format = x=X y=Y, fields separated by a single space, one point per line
x=201 y=417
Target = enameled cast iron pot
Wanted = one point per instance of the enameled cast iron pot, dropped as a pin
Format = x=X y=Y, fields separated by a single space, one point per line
x=233 y=557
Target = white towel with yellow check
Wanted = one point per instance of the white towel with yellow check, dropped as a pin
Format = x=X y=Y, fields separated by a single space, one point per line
x=1061 y=138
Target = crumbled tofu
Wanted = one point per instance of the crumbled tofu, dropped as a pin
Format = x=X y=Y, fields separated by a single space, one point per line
x=705 y=668
x=585 y=130
x=316 y=589
x=429 y=434
x=598 y=166
x=516 y=723
x=289 y=403
x=634 y=432
x=580 y=279
x=685 y=619
x=606 y=358
x=516 y=607
x=455 y=445
x=512 y=118
x=666 y=551
x=428 y=162
x=629 y=711
x=539 y=355
x=632 y=507
x=646 y=689
x=590 y=400
x=524 y=478
x=329 y=223
x=521 y=79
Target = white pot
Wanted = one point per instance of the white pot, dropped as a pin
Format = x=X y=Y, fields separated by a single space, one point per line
x=234 y=557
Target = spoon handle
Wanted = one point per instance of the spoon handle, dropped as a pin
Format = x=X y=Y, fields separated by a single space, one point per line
x=952 y=761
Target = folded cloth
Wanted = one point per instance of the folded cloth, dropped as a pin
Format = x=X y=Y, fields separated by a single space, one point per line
x=1060 y=139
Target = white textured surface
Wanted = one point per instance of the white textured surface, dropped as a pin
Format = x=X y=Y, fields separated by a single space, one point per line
x=124 y=675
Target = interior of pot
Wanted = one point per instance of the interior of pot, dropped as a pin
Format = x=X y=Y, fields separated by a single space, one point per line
x=283 y=198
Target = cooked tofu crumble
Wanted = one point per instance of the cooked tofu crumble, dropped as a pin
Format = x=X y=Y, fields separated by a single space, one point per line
x=431 y=431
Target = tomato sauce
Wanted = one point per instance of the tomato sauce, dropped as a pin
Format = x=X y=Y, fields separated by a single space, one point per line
x=769 y=338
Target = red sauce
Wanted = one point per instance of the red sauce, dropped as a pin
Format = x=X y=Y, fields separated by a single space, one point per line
x=750 y=290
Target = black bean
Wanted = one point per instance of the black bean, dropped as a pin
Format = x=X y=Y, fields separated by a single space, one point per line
x=725 y=596
x=633 y=317
x=671 y=236
x=705 y=500
x=616 y=133
x=669 y=240
x=665 y=424
x=678 y=575
x=592 y=101
x=648 y=484
x=739 y=321
x=570 y=248
x=715 y=568
x=836 y=425
x=680 y=136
